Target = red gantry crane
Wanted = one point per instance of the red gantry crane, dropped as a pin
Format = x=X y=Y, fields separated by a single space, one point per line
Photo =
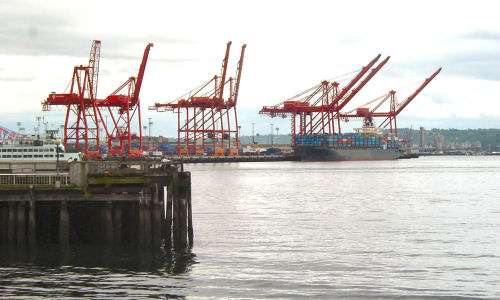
x=207 y=122
x=125 y=113
x=83 y=110
x=318 y=107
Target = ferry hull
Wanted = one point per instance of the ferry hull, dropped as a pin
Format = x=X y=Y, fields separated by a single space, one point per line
x=323 y=153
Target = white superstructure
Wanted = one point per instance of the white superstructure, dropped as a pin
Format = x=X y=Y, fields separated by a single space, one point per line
x=35 y=151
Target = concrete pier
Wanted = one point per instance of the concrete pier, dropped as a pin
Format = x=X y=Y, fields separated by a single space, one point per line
x=107 y=203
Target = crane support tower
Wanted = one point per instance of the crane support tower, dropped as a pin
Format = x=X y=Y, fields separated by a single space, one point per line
x=81 y=125
x=207 y=122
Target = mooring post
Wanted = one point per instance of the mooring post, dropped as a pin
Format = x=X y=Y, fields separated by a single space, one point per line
x=64 y=224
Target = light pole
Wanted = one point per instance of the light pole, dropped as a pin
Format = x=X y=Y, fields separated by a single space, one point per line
x=272 y=142
x=277 y=136
x=238 y=136
x=57 y=142
x=253 y=134
x=150 y=144
x=150 y=123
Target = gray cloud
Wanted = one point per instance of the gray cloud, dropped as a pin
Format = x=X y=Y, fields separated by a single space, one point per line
x=476 y=63
x=38 y=33
x=17 y=77
x=481 y=35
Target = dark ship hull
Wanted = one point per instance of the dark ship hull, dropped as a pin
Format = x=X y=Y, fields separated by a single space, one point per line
x=325 y=153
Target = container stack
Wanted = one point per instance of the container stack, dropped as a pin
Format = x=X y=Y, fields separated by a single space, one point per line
x=346 y=141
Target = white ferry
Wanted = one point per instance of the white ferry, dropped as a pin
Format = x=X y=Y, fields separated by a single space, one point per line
x=33 y=149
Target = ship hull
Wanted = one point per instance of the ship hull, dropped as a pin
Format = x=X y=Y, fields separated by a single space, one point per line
x=323 y=153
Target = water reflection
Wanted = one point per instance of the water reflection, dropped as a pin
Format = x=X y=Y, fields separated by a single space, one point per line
x=94 y=271
x=174 y=262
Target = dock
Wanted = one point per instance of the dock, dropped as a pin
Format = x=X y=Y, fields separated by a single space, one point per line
x=227 y=159
x=99 y=202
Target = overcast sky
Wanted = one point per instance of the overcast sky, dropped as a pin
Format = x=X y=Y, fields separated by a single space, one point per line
x=292 y=45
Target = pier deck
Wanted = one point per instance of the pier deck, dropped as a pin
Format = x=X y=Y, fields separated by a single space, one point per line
x=99 y=202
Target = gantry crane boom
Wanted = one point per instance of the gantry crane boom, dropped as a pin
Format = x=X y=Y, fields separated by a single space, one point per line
x=346 y=89
x=353 y=92
x=412 y=96
x=223 y=72
x=238 y=73
x=140 y=75
x=94 y=58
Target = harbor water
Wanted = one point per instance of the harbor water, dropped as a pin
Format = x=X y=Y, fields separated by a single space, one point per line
x=408 y=229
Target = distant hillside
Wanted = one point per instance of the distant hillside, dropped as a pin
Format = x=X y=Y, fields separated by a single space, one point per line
x=488 y=138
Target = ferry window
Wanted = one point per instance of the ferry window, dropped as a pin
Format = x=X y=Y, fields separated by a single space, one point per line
x=14 y=150
x=27 y=156
x=3 y=150
x=51 y=150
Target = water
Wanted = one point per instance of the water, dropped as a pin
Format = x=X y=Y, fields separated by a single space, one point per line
x=419 y=228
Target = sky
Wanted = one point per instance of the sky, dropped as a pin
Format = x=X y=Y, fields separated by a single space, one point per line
x=291 y=46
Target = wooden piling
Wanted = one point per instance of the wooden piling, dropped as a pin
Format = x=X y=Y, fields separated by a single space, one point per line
x=4 y=222
x=64 y=224
x=190 y=217
x=156 y=213
x=182 y=213
x=169 y=216
x=117 y=223
x=141 y=225
x=31 y=223
x=21 y=225
x=11 y=226
x=107 y=223
x=147 y=224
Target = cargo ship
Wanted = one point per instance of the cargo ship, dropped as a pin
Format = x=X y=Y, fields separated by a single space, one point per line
x=367 y=143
